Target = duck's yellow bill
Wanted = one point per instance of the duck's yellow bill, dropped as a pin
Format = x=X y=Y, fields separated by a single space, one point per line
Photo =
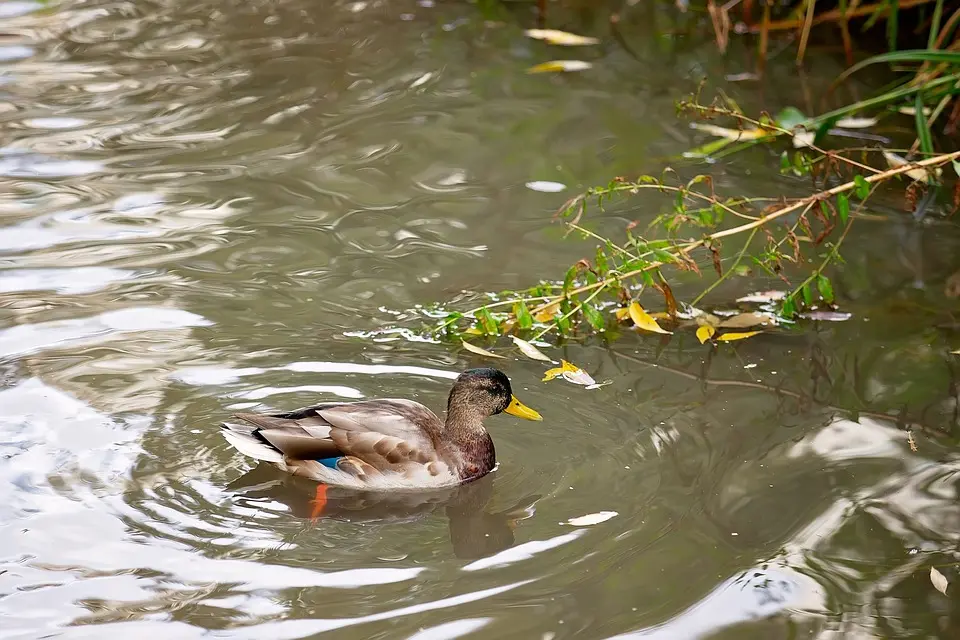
x=517 y=408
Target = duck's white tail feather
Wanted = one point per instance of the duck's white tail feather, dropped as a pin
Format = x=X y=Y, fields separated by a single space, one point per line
x=239 y=436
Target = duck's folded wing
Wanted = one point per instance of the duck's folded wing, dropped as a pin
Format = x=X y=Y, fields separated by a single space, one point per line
x=381 y=433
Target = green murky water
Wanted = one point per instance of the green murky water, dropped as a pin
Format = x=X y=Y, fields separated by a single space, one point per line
x=199 y=201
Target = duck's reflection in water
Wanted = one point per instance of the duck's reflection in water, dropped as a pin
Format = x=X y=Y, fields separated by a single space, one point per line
x=475 y=531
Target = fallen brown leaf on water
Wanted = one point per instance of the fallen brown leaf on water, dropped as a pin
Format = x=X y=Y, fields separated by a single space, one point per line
x=529 y=350
x=479 y=351
x=562 y=38
x=558 y=66
x=643 y=320
x=730 y=337
x=745 y=320
x=705 y=332
x=938 y=580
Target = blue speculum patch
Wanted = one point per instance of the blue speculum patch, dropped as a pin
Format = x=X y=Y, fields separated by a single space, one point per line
x=329 y=462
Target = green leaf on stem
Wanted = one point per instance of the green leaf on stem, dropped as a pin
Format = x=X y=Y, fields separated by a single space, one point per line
x=861 y=187
x=593 y=316
x=524 y=319
x=843 y=207
x=487 y=323
x=825 y=288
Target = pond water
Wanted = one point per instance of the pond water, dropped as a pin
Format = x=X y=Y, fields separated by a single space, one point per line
x=204 y=204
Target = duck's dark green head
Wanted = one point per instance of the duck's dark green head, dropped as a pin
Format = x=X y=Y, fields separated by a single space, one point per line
x=488 y=391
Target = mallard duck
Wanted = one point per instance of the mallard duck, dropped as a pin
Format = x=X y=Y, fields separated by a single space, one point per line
x=389 y=444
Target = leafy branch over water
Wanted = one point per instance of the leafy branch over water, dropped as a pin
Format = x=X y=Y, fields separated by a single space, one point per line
x=598 y=293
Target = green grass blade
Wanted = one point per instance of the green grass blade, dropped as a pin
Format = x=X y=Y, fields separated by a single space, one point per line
x=909 y=55
x=890 y=96
x=893 y=24
x=923 y=127
x=935 y=25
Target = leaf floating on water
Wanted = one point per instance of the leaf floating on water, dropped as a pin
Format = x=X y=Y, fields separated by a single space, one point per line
x=550 y=374
x=939 y=581
x=529 y=350
x=545 y=186
x=562 y=38
x=557 y=66
x=828 y=316
x=764 y=296
x=580 y=377
x=576 y=375
x=735 y=335
x=643 y=320
x=803 y=138
x=592 y=518
x=477 y=350
x=622 y=313
x=705 y=332
x=591 y=387
x=894 y=161
x=745 y=320
x=473 y=331
x=729 y=134
x=856 y=123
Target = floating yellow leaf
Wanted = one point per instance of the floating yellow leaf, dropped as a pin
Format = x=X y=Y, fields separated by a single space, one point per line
x=737 y=335
x=556 y=66
x=547 y=313
x=643 y=320
x=529 y=350
x=660 y=315
x=576 y=375
x=565 y=366
x=729 y=134
x=473 y=331
x=477 y=350
x=705 y=332
x=622 y=313
x=553 y=36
